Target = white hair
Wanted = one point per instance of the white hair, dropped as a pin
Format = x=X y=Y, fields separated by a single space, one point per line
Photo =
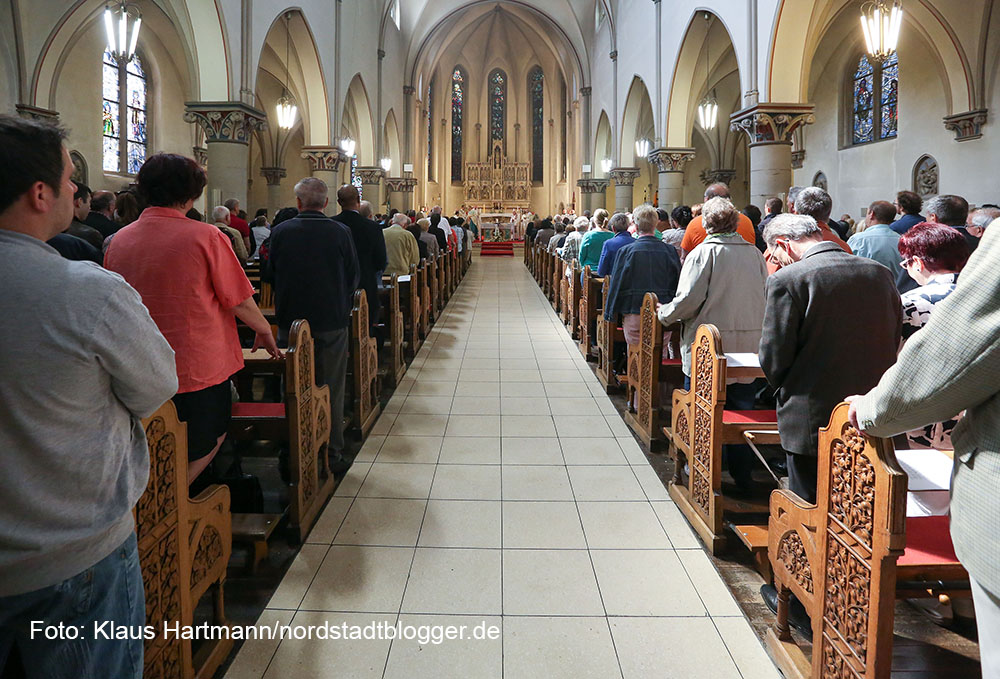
x=400 y=219
x=792 y=227
x=645 y=218
x=220 y=213
x=312 y=193
x=365 y=209
x=581 y=224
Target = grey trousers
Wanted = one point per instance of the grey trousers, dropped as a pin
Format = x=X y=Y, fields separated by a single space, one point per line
x=988 y=621
x=331 y=351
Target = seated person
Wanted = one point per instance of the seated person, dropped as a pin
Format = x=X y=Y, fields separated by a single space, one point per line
x=619 y=224
x=558 y=238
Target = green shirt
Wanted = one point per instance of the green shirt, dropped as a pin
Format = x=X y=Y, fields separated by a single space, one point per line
x=590 y=248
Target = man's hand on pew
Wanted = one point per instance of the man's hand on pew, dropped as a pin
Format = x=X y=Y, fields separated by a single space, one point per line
x=852 y=413
x=266 y=341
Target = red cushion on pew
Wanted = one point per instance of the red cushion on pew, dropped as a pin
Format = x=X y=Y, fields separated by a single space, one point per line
x=749 y=416
x=258 y=410
x=670 y=361
x=928 y=541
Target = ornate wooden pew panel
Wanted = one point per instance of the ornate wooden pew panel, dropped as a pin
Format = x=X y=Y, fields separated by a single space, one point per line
x=701 y=425
x=392 y=317
x=364 y=363
x=609 y=336
x=411 y=300
x=558 y=280
x=184 y=548
x=573 y=300
x=590 y=290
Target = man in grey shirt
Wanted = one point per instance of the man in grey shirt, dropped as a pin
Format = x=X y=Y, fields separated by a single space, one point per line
x=82 y=363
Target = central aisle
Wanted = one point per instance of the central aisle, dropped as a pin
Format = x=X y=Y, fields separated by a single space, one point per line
x=501 y=486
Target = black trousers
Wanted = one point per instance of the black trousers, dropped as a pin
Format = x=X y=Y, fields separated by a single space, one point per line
x=802 y=476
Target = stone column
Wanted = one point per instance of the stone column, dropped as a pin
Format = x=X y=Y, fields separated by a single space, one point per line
x=769 y=128
x=624 y=178
x=324 y=163
x=669 y=164
x=371 y=180
x=273 y=175
x=228 y=126
x=588 y=156
x=400 y=191
x=593 y=194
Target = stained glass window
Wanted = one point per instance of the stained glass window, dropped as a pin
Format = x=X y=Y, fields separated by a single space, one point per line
x=562 y=129
x=430 y=132
x=497 y=83
x=124 y=90
x=457 y=122
x=875 y=100
x=355 y=179
x=536 y=99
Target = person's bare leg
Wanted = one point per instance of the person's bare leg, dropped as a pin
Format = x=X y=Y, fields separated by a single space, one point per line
x=198 y=466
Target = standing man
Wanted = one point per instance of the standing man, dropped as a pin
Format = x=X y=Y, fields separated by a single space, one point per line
x=908 y=205
x=952 y=211
x=400 y=246
x=811 y=202
x=435 y=230
x=238 y=222
x=951 y=365
x=695 y=232
x=772 y=208
x=102 y=213
x=81 y=210
x=816 y=348
x=82 y=363
x=878 y=241
x=314 y=268
x=369 y=244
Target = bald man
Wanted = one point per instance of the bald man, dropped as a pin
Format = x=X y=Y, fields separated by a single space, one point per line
x=695 y=232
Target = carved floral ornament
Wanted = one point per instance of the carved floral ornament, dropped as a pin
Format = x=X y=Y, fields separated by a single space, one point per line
x=671 y=160
x=323 y=158
x=400 y=184
x=718 y=176
x=772 y=123
x=624 y=176
x=234 y=123
x=370 y=175
x=593 y=185
x=967 y=126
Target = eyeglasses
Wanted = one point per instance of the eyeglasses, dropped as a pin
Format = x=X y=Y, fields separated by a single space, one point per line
x=906 y=262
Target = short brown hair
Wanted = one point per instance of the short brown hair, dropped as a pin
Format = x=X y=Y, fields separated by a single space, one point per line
x=909 y=202
x=168 y=179
x=883 y=211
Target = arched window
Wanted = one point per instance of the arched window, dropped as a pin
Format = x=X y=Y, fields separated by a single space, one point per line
x=430 y=131
x=497 y=86
x=875 y=100
x=536 y=99
x=457 y=122
x=124 y=107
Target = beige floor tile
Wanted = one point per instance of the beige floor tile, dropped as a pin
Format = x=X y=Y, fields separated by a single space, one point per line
x=314 y=659
x=559 y=364
x=359 y=578
x=473 y=425
x=643 y=653
x=383 y=424
x=419 y=425
x=521 y=389
x=525 y=405
x=466 y=482
x=745 y=648
x=470 y=450
x=622 y=525
x=582 y=426
x=633 y=452
x=379 y=521
x=454 y=581
x=450 y=659
x=530 y=450
x=549 y=582
x=471 y=375
x=605 y=483
x=328 y=523
x=438 y=375
x=607 y=407
x=461 y=523
x=678 y=530
x=477 y=390
x=565 y=390
x=655 y=489
x=536 y=483
x=585 y=451
x=617 y=425
x=476 y=405
x=418 y=404
x=656 y=584
x=574 y=406
x=519 y=375
x=542 y=525
x=571 y=376
x=370 y=449
x=714 y=593
x=528 y=426
x=351 y=483
x=559 y=648
x=433 y=388
x=299 y=576
x=410 y=449
x=396 y=480
x=396 y=402
x=255 y=654
x=470 y=363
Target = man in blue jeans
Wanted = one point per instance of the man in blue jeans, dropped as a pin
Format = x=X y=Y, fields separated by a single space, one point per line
x=82 y=362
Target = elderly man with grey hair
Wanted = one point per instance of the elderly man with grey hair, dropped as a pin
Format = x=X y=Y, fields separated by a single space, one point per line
x=314 y=268
x=400 y=247
x=221 y=216
x=365 y=209
x=433 y=248
x=816 y=203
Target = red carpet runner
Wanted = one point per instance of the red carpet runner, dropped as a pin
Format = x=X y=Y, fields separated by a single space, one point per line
x=500 y=249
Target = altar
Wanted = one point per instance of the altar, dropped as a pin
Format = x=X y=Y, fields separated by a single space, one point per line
x=498 y=186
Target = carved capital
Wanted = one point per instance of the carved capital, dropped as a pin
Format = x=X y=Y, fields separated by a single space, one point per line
x=967 y=126
x=400 y=184
x=370 y=175
x=586 y=91
x=798 y=157
x=772 y=123
x=36 y=113
x=323 y=158
x=226 y=121
x=592 y=185
x=614 y=55
x=381 y=54
x=671 y=160
x=624 y=176
x=718 y=176
x=200 y=155
x=273 y=175
x=408 y=90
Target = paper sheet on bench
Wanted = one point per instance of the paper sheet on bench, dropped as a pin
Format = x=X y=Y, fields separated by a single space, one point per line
x=742 y=361
x=928 y=503
x=927 y=469
x=403 y=279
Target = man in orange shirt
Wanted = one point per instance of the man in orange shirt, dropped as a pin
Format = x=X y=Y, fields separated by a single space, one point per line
x=816 y=203
x=695 y=232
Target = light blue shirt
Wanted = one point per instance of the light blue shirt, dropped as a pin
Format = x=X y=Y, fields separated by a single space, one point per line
x=879 y=243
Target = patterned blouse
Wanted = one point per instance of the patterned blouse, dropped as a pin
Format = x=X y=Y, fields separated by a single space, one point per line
x=917 y=307
x=570 y=250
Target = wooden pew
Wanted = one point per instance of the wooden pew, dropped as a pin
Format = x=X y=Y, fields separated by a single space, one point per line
x=573 y=300
x=184 y=548
x=391 y=311
x=609 y=337
x=647 y=369
x=848 y=557
x=425 y=284
x=303 y=420
x=590 y=291
x=433 y=289
x=558 y=278
x=411 y=299
x=444 y=279
x=700 y=426
x=364 y=363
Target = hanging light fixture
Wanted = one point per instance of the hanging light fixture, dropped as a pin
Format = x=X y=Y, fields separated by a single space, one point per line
x=121 y=42
x=386 y=164
x=606 y=165
x=708 y=109
x=641 y=148
x=286 y=110
x=880 y=22
x=347 y=145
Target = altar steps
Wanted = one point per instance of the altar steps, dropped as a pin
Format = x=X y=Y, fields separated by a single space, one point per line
x=499 y=249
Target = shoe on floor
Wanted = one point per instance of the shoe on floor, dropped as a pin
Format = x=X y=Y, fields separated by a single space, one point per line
x=935 y=611
x=797 y=616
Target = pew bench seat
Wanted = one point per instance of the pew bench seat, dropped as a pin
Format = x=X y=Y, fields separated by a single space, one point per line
x=254 y=530
x=749 y=417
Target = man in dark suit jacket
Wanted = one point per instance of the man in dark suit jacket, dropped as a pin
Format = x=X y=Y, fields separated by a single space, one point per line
x=832 y=326
x=102 y=211
x=438 y=232
x=369 y=244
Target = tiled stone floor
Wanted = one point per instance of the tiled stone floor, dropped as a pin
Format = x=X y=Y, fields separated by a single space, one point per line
x=500 y=485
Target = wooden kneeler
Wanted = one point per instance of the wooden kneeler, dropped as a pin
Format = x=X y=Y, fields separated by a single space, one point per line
x=364 y=363
x=590 y=291
x=573 y=300
x=609 y=336
x=391 y=311
x=700 y=426
x=844 y=557
x=184 y=548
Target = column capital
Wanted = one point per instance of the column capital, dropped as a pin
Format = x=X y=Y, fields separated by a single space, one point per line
x=43 y=115
x=718 y=176
x=770 y=123
x=409 y=90
x=798 y=159
x=322 y=158
x=200 y=155
x=370 y=175
x=624 y=176
x=614 y=55
x=273 y=175
x=586 y=91
x=400 y=184
x=967 y=126
x=225 y=121
x=593 y=185
x=671 y=160
x=381 y=54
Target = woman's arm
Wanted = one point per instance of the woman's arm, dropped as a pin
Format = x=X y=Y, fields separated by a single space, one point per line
x=248 y=312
